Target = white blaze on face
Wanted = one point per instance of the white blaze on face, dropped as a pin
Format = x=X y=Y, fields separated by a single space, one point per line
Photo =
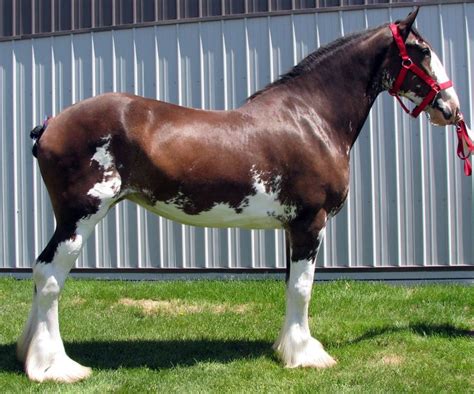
x=449 y=96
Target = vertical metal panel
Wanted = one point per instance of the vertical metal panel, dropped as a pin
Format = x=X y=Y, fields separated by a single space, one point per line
x=22 y=164
x=7 y=220
x=409 y=202
x=43 y=103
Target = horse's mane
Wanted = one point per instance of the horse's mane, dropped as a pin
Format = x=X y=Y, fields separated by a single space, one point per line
x=310 y=62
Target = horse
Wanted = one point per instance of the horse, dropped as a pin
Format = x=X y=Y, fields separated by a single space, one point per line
x=280 y=161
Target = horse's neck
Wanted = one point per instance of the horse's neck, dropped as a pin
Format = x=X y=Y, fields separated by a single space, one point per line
x=351 y=84
x=341 y=89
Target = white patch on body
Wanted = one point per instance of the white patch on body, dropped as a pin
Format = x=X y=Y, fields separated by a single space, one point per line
x=295 y=345
x=262 y=210
x=102 y=155
x=111 y=182
x=106 y=189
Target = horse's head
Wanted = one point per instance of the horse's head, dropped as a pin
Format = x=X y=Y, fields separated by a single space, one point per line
x=419 y=75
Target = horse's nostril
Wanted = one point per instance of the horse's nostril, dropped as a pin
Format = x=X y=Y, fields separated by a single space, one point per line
x=447 y=113
x=445 y=110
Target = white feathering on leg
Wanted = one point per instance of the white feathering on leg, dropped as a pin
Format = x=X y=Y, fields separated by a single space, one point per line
x=295 y=345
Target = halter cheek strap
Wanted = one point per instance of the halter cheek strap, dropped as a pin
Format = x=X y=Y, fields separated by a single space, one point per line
x=435 y=88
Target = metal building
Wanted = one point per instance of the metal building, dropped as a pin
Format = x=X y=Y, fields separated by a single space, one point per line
x=410 y=206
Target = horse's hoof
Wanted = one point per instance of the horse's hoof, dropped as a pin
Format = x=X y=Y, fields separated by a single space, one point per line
x=307 y=352
x=62 y=369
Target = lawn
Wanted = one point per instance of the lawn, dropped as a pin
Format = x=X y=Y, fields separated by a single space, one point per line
x=216 y=336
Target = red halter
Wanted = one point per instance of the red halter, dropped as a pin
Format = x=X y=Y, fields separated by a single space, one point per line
x=435 y=88
x=409 y=65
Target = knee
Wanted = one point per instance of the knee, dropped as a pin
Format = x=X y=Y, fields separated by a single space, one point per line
x=47 y=284
x=300 y=289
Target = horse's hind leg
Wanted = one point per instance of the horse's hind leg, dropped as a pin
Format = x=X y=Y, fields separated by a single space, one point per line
x=295 y=345
x=40 y=346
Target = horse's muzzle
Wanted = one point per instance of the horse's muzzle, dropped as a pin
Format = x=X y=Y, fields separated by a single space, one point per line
x=444 y=113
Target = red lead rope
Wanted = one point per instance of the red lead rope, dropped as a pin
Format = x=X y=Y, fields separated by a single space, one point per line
x=463 y=137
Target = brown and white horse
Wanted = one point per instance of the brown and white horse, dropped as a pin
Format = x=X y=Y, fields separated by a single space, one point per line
x=281 y=160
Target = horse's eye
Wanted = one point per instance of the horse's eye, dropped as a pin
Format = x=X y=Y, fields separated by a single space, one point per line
x=426 y=51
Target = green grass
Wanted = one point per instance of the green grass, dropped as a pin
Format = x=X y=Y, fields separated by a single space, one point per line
x=217 y=337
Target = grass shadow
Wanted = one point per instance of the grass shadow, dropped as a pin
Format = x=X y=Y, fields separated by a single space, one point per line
x=157 y=355
x=152 y=354
x=421 y=329
x=8 y=361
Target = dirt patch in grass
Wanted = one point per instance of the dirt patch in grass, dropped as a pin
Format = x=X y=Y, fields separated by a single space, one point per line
x=77 y=300
x=181 y=307
x=392 y=359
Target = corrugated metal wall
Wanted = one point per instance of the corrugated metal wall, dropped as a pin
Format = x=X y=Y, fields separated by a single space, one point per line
x=409 y=204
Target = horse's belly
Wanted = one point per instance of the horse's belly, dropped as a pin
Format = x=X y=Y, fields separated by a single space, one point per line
x=254 y=215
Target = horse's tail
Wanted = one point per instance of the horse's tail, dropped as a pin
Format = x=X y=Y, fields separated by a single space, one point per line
x=36 y=134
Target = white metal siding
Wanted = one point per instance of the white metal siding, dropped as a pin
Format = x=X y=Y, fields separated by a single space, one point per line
x=409 y=203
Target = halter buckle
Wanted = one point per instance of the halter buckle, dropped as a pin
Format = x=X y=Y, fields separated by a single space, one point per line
x=407 y=63
x=436 y=87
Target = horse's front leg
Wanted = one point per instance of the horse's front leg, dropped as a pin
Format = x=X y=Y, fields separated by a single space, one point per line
x=295 y=345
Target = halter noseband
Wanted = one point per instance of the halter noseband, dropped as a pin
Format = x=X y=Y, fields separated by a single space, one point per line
x=409 y=65
x=435 y=88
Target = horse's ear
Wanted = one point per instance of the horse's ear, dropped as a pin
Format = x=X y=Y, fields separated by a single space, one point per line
x=405 y=24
